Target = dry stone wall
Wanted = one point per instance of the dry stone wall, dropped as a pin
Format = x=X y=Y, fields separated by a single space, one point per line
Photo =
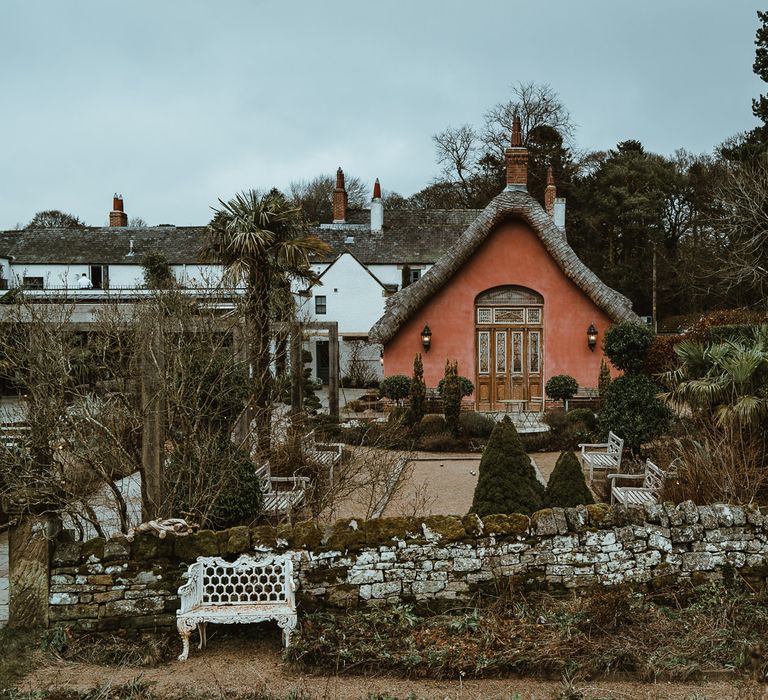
x=432 y=561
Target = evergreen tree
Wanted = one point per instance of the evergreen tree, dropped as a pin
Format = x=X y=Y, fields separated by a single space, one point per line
x=507 y=481
x=452 y=397
x=418 y=392
x=566 y=487
x=603 y=380
x=760 y=67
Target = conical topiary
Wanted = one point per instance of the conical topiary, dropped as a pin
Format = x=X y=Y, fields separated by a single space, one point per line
x=566 y=487
x=507 y=481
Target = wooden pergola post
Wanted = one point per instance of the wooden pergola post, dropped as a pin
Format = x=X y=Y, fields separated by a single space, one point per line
x=333 y=374
x=240 y=350
x=297 y=369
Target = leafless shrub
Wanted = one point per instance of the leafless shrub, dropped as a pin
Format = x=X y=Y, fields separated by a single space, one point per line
x=714 y=464
x=85 y=412
x=366 y=479
x=358 y=369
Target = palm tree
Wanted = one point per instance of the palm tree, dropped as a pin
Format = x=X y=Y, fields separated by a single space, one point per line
x=262 y=241
x=727 y=380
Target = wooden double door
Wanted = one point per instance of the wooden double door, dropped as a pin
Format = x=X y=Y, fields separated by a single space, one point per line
x=509 y=351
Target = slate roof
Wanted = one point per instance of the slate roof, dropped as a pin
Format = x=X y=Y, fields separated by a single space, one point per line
x=108 y=245
x=409 y=236
x=507 y=205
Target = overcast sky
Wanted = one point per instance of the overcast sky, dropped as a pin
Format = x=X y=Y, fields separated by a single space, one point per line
x=175 y=103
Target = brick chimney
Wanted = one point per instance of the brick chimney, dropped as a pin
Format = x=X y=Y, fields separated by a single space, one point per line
x=339 y=199
x=117 y=217
x=550 y=193
x=377 y=208
x=516 y=157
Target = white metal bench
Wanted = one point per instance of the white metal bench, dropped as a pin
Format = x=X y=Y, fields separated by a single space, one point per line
x=603 y=455
x=281 y=494
x=242 y=592
x=653 y=480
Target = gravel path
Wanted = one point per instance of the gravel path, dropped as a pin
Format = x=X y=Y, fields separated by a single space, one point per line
x=444 y=483
x=255 y=666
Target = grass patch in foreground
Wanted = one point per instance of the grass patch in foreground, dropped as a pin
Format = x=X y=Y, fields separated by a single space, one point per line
x=678 y=634
x=16 y=650
x=139 y=689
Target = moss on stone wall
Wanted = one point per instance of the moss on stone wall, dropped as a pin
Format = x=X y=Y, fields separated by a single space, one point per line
x=504 y=525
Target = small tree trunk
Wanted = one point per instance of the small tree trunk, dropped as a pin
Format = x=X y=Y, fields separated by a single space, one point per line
x=653 y=292
x=258 y=309
x=153 y=409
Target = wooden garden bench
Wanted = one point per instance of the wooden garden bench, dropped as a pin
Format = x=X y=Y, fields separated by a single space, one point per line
x=603 y=455
x=281 y=494
x=324 y=453
x=653 y=480
x=13 y=435
x=245 y=591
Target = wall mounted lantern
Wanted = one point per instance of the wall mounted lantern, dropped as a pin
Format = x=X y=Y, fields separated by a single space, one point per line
x=592 y=337
x=381 y=358
x=426 y=338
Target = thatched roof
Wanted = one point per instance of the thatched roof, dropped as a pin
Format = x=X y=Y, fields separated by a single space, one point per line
x=508 y=205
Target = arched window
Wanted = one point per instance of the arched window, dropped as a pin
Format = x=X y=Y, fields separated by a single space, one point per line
x=509 y=295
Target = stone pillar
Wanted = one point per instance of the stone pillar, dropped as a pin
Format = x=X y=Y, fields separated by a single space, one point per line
x=29 y=544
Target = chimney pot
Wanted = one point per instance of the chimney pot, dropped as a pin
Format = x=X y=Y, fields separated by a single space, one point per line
x=118 y=217
x=516 y=157
x=517 y=136
x=550 y=194
x=559 y=214
x=339 y=199
x=377 y=208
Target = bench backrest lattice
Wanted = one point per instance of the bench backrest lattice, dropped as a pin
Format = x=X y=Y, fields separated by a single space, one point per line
x=248 y=590
x=654 y=477
x=246 y=582
x=602 y=456
x=615 y=444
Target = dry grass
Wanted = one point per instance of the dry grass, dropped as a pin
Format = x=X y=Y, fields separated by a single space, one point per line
x=678 y=634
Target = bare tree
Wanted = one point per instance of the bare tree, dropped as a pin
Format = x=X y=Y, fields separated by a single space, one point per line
x=53 y=218
x=315 y=196
x=456 y=150
x=86 y=419
x=472 y=160
x=744 y=256
x=537 y=105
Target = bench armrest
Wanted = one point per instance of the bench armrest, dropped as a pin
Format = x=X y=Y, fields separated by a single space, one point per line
x=582 y=445
x=187 y=594
x=625 y=476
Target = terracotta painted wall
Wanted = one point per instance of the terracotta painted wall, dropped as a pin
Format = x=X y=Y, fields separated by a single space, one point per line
x=512 y=254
